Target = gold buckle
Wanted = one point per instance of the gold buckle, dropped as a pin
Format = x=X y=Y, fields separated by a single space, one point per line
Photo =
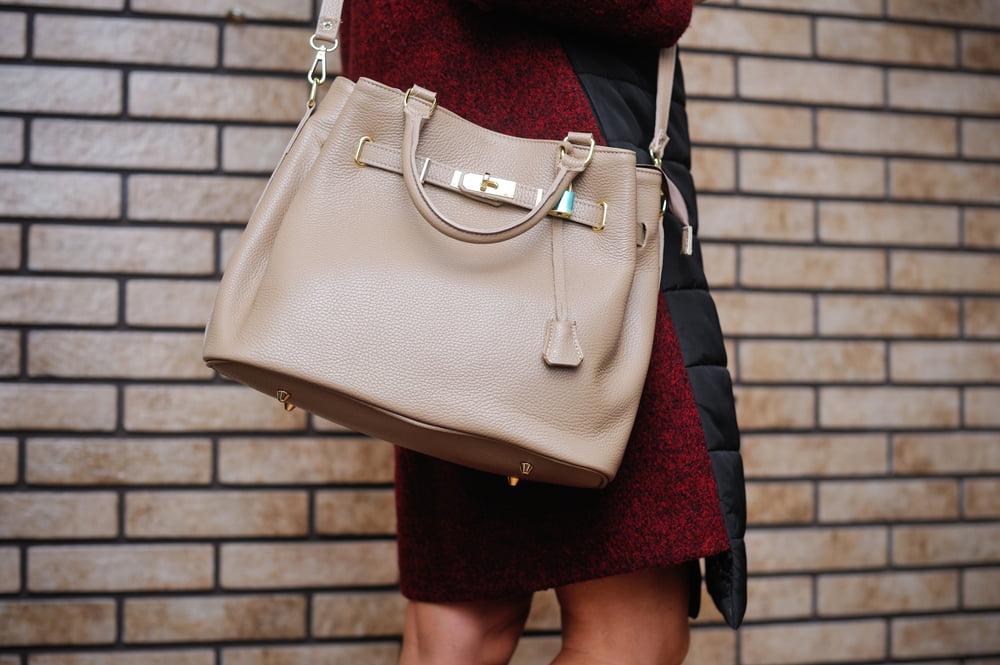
x=590 y=155
x=357 y=153
x=604 y=216
x=406 y=100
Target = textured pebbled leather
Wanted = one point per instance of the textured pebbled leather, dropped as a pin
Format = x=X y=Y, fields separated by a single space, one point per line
x=467 y=330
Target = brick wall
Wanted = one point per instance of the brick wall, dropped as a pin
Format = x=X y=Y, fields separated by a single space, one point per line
x=847 y=155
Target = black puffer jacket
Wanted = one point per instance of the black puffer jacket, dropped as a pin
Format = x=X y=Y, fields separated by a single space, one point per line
x=621 y=87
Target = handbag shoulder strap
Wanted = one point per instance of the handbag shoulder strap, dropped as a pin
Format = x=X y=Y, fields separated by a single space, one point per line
x=328 y=27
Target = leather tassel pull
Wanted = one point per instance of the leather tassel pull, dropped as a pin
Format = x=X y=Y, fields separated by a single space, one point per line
x=562 y=347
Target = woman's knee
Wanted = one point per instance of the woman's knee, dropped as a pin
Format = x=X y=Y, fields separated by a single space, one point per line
x=636 y=618
x=476 y=632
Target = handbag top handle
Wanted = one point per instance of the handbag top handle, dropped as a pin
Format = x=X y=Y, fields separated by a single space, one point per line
x=328 y=27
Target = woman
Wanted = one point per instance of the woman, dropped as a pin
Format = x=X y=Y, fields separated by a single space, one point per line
x=623 y=559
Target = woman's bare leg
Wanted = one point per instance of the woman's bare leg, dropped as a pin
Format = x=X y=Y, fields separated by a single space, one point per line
x=482 y=632
x=639 y=618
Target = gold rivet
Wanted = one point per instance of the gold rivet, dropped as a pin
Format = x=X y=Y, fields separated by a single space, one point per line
x=236 y=15
x=513 y=481
x=526 y=468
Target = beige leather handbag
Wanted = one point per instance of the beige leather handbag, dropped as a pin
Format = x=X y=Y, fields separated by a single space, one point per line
x=482 y=298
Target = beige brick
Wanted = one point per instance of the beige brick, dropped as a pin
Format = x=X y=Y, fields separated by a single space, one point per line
x=169 y=303
x=765 y=313
x=973 y=12
x=262 y=47
x=778 y=598
x=67 y=301
x=89 y=461
x=11 y=139
x=10 y=570
x=888 y=316
x=298 y=461
x=129 y=657
x=545 y=612
x=944 y=181
x=708 y=647
x=888 y=500
x=58 y=407
x=981 y=588
x=982 y=498
x=253 y=149
x=982 y=317
x=13 y=35
x=809 y=82
x=949 y=544
x=228 y=241
x=798 y=455
x=980 y=50
x=328 y=426
x=816 y=642
x=714 y=169
x=845 y=39
x=945 y=271
x=775 y=408
x=814 y=268
x=754 y=32
x=810 y=174
x=8 y=461
x=889 y=407
x=139 y=145
x=860 y=7
x=75 y=4
x=114 y=249
x=888 y=224
x=131 y=40
x=215 y=97
x=63 y=194
x=308 y=565
x=357 y=614
x=945 y=636
x=799 y=550
x=134 y=355
x=945 y=453
x=811 y=361
x=193 y=198
x=741 y=217
x=982 y=227
x=710 y=75
x=292 y=10
x=750 y=124
x=10 y=353
x=958 y=93
x=67 y=90
x=53 y=622
x=214 y=618
x=204 y=408
x=887 y=593
x=48 y=515
x=332 y=654
x=120 y=568
x=720 y=264
x=10 y=245
x=216 y=513
x=356 y=512
x=982 y=407
x=944 y=362
x=981 y=139
x=892 y=133
x=780 y=503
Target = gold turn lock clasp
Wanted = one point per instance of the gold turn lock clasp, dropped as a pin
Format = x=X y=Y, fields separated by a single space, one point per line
x=526 y=468
x=283 y=397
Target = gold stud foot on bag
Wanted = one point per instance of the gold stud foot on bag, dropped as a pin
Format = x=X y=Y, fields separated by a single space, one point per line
x=526 y=468
x=283 y=397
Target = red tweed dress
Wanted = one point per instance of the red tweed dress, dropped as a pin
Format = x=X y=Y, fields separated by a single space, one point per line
x=463 y=534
